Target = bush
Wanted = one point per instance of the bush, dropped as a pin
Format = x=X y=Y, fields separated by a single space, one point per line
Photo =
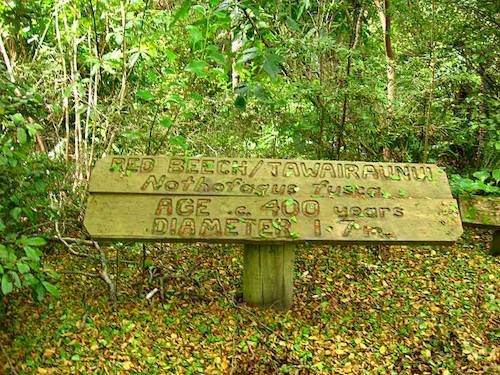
x=26 y=179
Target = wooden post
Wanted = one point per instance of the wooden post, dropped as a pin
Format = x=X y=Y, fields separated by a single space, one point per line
x=495 y=243
x=268 y=275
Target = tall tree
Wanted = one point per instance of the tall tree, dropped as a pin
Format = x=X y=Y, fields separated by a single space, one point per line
x=383 y=10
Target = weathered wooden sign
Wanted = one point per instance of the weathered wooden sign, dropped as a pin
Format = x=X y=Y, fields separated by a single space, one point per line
x=481 y=211
x=268 y=200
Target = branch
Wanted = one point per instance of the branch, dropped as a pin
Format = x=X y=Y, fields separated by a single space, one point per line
x=78 y=241
x=104 y=272
x=75 y=240
x=6 y=60
x=261 y=37
x=152 y=293
x=65 y=241
x=11 y=365
x=123 y=88
x=266 y=43
x=95 y=27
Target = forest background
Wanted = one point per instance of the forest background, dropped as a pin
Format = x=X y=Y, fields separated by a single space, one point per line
x=393 y=80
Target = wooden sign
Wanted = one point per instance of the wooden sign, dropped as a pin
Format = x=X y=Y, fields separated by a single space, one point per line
x=268 y=200
x=481 y=211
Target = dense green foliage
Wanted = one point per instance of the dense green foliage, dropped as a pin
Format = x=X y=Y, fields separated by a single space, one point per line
x=287 y=78
x=25 y=205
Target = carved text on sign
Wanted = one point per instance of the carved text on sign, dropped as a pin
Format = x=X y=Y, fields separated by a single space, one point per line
x=252 y=168
x=259 y=200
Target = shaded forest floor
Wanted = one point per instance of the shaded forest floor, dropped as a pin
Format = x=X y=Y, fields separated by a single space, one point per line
x=356 y=310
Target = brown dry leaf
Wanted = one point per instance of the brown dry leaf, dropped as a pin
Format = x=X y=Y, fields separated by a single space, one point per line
x=127 y=365
x=435 y=308
x=224 y=364
x=49 y=353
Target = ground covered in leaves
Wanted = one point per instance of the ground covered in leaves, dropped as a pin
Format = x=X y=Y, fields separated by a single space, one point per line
x=356 y=310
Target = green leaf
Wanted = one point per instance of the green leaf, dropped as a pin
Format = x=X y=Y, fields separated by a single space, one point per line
x=33 y=128
x=2 y=225
x=292 y=24
x=18 y=119
x=54 y=275
x=176 y=98
x=259 y=92
x=23 y=267
x=15 y=277
x=8 y=256
x=33 y=241
x=248 y=54
x=32 y=254
x=182 y=12
x=481 y=175
x=51 y=289
x=195 y=34
x=3 y=252
x=171 y=56
x=271 y=64
x=145 y=95
x=196 y=96
x=166 y=122
x=495 y=174
x=240 y=102
x=38 y=289
x=40 y=186
x=197 y=67
x=15 y=213
x=21 y=136
x=6 y=284
x=179 y=140
x=214 y=54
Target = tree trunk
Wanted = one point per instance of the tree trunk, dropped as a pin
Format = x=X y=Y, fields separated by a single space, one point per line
x=6 y=60
x=385 y=20
x=352 y=47
x=427 y=127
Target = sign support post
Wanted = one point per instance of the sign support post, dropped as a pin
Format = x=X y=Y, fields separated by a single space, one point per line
x=268 y=275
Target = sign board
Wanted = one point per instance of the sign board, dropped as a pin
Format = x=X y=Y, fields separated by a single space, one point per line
x=269 y=200
x=481 y=211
